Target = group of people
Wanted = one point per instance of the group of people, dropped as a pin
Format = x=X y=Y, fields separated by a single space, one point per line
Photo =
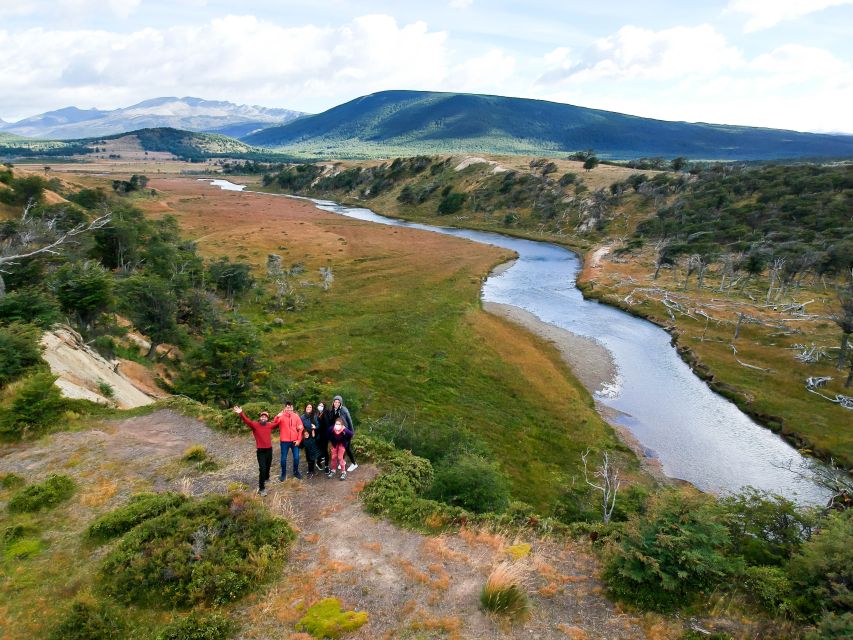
x=324 y=433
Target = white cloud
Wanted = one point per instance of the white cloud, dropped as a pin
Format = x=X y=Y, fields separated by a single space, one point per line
x=763 y=14
x=240 y=58
x=489 y=72
x=69 y=9
x=460 y=4
x=634 y=52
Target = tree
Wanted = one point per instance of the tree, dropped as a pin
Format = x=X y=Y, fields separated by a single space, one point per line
x=844 y=319
x=33 y=236
x=608 y=483
x=224 y=368
x=678 y=164
x=230 y=278
x=84 y=290
x=590 y=163
x=151 y=305
x=19 y=350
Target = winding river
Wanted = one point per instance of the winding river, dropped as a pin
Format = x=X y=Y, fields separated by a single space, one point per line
x=695 y=434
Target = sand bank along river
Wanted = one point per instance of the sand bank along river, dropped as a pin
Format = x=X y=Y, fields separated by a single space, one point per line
x=630 y=365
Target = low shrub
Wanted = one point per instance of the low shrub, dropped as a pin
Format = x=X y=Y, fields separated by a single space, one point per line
x=504 y=592
x=472 y=483
x=140 y=508
x=23 y=549
x=833 y=627
x=769 y=587
x=11 y=481
x=670 y=555
x=326 y=619
x=204 y=551
x=89 y=619
x=822 y=572
x=212 y=626
x=29 y=305
x=45 y=495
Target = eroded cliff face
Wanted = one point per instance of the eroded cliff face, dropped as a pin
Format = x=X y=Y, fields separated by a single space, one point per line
x=87 y=375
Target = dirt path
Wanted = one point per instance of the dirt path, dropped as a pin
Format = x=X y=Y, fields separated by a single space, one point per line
x=412 y=586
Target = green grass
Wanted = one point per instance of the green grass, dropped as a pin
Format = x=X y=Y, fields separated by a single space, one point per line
x=326 y=619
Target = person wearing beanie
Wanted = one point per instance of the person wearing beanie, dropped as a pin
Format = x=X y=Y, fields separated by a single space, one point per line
x=262 y=429
x=339 y=410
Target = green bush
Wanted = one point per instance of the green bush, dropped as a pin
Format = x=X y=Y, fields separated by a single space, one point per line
x=37 y=406
x=822 y=573
x=212 y=626
x=326 y=619
x=11 y=481
x=833 y=626
x=472 y=483
x=210 y=551
x=19 y=350
x=769 y=587
x=452 y=202
x=29 y=305
x=89 y=619
x=23 y=549
x=48 y=494
x=140 y=508
x=674 y=552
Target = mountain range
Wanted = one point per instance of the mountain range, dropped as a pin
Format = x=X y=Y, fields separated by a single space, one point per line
x=190 y=114
x=403 y=122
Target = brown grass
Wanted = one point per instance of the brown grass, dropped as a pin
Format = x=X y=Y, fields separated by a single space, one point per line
x=575 y=633
x=438 y=547
x=98 y=493
x=451 y=626
x=435 y=577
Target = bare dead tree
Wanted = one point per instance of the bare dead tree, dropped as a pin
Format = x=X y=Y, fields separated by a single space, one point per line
x=830 y=476
x=843 y=317
x=608 y=483
x=775 y=269
x=36 y=236
x=328 y=277
x=661 y=248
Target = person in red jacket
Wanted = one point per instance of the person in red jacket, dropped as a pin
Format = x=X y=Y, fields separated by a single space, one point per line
x=290 y=429
x=263 y=439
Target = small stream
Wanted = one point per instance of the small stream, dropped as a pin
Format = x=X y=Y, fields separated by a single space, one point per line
x=695 y=434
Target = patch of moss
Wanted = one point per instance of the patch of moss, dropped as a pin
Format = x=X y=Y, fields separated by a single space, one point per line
x=518 y=551
x=23 y=549
x=326 y=619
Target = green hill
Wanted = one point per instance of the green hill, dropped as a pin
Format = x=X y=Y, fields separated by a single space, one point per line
x=186 y=145
x=409 y=122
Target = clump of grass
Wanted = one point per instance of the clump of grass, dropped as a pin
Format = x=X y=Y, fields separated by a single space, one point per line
x=45 y=495
x=11 y=481
x=140 y=508
x=213 y=626
x=199 y=457
x=504 y=592
x=18 y=542
x=89 y=619
x=326 y=619
x=199 y=553
x=106 y=389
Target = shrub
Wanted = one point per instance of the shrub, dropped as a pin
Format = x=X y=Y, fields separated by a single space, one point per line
x=326 y=619
x=37 y=406
x=140 y=508
x=671 y=554
x=29 y=305
x=23 y=548
x=833 y=626
x=472 y=483
x=213 y=626
x=769 y=587
x=198 y=456
x=19 y=350
x=11 y=481
x=504 y=592
x=48 y=494
x=89 y=619
x=204 y=551
x=451 y=203
x=822 y=573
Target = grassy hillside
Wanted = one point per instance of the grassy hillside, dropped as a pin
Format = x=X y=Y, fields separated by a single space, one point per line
x=186 y=145
x=409 y=122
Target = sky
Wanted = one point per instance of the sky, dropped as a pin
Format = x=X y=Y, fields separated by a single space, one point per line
x=770 y=63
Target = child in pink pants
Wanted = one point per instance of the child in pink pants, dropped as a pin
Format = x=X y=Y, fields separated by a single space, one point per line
x=339 y=438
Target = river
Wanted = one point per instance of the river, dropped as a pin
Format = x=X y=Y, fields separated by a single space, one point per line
x=695 y=434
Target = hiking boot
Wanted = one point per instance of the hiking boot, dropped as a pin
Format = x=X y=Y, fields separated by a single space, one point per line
x=352 y=467
x=310 y=475
x=331 y=474
x=282 y=478
x=344 y=475
x=262 y=493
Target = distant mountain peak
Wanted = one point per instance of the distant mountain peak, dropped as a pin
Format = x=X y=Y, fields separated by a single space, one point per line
x=188 y=113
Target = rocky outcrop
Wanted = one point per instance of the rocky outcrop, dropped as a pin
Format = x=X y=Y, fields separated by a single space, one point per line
x=85 y=374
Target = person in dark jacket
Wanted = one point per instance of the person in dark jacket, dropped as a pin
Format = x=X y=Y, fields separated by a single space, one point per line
x=309 y=437
x=339 y=439
x=263 y=439
x=339 y=410
x=324 y=423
